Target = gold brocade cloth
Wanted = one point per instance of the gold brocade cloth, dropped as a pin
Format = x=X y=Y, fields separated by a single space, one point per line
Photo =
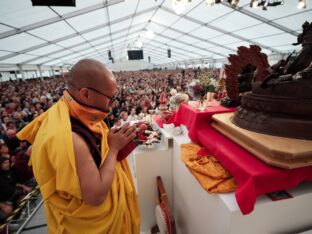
x=211 y=175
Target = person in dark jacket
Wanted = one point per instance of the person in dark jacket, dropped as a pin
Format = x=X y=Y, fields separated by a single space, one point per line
x=10 y=189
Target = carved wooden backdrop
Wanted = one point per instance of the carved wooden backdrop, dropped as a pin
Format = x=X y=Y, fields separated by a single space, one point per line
x=237 y=62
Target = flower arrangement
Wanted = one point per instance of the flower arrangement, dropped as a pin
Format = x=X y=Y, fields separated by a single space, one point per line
x=146 y=135
x=204 y=84
x=177 y=99
x=207 y=83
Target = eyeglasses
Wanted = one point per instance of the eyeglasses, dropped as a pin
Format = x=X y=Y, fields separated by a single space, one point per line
x=111 y=99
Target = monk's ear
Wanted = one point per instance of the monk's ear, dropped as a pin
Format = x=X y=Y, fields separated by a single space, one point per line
x=84 y=93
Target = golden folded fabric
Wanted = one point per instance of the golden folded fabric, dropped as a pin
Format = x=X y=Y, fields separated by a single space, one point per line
x=211 y=175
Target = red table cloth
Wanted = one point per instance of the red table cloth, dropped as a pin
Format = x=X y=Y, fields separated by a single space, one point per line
x=253 y=177
x=194 y=119
x=159 y=120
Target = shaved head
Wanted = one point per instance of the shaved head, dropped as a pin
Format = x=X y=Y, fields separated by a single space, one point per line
x=92 y=84
x=91 y=73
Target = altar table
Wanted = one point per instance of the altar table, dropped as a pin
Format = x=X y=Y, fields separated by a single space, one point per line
x=195 y=119
x=254 y=177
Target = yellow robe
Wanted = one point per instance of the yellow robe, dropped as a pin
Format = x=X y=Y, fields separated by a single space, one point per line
x=54 y=168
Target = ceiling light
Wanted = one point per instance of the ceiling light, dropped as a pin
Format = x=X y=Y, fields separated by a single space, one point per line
x=233 y=3
x=266 y=3
x=254 y=3
x=210 y=2
x=139 y=43
x=302 y=4
x=179 y=5
x=149 y=34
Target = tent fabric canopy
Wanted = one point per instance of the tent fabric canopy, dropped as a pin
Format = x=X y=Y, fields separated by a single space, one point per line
x=57 y=36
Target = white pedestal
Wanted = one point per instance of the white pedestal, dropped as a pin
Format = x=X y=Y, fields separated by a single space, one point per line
x=166 y=137
x=198 y=212
x=146 y=165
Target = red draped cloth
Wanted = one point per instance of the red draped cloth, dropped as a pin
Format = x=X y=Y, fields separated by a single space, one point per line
x=159 y=120
x=194 y=119
x=253 y=176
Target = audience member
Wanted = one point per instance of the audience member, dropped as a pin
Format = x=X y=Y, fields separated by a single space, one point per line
x=132 y=116
x=20 y=165
x=117 y=123
x=11 y=189
x=123 y=117
x=11 y=140
x=4 y=151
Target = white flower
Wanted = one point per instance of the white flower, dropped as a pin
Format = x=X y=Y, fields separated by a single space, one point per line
x=173 y=92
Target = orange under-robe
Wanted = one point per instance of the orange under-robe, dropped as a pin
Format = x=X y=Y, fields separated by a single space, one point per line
x=54 y=167
x=211 y=175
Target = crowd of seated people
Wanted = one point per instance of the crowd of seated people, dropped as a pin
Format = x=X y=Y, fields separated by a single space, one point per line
x=23 y=100
x=20 y=102
x=139 y=91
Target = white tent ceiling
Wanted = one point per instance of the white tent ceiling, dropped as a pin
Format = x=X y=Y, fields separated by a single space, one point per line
x=56 y=36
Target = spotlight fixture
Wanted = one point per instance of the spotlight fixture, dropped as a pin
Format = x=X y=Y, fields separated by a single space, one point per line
x=302 y=4
x=149 y=34
x=276 y=3
x=266 y=3
x=210 y=2
x=179 y=5
x=169 y=53
x=254 y=3
x=233 y=3
x=139 y=43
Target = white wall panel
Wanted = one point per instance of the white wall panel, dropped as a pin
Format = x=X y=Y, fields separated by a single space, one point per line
x=88 y=20
x=45 y=50
x=122 y=9
x=205 y=32
x=19 y=42
x=18 y=59
x=71 y=41
x=53 y=31
x=164 y=17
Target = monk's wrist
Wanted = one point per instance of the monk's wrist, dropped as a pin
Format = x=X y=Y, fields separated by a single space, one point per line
x=113 y=151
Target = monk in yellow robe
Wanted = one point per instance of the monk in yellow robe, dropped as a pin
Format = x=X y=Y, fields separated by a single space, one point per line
x=85 y=189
